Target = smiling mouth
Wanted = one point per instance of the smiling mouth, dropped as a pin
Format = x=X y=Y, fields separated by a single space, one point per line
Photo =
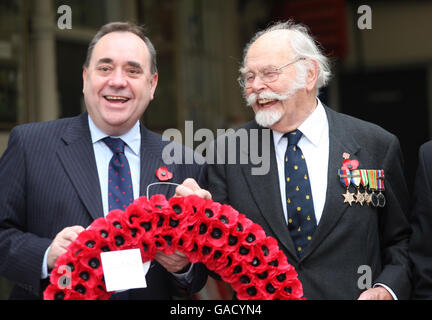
x=266 y=102
x=116 y=99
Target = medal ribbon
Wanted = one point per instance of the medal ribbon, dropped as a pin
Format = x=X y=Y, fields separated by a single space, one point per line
x=356 y=178
x=364 y=178
x=380 y=178
x=372 y=176
x=345 y=177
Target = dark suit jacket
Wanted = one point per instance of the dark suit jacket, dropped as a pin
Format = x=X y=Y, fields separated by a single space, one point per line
x=49 y=181
x=420 y=244
x=346 y=237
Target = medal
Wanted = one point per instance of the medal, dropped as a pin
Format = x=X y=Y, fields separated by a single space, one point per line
x=345 y=179
x=373 y=185
x=356 y=181
x=380 y=185
x=367 y=178
x=364 y=182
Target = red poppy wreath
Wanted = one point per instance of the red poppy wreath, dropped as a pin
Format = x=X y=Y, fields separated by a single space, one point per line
x=206 y=231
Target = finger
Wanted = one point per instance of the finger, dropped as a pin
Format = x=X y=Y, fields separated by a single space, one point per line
x=69 y=236
x=71 y=233
x=161 y=257
x=182 y=191
x=62 y=243
x=365 y=296
x=77 y=229
x=191 y=184
x=180 y=254
x=164 y=261
x=202 y=193
x=171 y=259
x=53 y=254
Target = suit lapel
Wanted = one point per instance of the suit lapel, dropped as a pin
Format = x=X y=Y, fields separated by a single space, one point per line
x=265 y=191
x=340 y=141
x=77 y=157
x=151 y=146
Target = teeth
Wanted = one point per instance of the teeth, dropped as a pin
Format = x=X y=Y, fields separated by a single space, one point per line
x=116 y=98
x=263 y=101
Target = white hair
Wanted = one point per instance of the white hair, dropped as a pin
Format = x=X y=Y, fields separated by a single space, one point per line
x=303 y=46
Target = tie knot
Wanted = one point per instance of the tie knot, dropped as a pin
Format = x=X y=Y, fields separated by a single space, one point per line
x=115 y=144
x=293 y=137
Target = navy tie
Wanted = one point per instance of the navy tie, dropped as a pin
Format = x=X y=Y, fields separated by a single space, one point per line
x=120 y=191
x=300 y=209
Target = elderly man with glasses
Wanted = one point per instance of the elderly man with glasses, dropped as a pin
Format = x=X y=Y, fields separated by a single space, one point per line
x=335 y=194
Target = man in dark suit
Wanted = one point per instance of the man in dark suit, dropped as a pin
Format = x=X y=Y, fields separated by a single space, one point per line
x=420 y=249
x=341 y=247
x=54 y=175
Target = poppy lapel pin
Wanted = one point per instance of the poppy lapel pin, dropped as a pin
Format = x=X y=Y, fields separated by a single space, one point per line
x=163 y=174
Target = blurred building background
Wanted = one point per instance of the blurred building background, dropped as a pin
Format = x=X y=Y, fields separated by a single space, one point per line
x=382 y=74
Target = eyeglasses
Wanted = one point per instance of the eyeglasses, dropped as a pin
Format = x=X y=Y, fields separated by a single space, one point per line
x=267 y=75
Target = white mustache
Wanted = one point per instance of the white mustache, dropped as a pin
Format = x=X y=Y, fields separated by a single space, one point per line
x=252 y=99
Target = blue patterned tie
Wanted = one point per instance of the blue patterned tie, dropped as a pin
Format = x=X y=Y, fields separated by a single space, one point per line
x=300 y=209
x=120 y=191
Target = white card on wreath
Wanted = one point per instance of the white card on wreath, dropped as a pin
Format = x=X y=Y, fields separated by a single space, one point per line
x=124 y=270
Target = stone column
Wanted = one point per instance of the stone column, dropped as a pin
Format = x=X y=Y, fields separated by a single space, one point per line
x=44 y=61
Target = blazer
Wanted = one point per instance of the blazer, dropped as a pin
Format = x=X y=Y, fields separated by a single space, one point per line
x=420 y=249
x=49 y=181
x=347 y=237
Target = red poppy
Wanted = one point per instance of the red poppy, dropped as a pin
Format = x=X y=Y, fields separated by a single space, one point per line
x=217 y=235
x=251 y=292
x=167 y=242
x=231 y=273
x=147 y=248
x=143 y=203
x=292 y=291
x=181 y=207
x=163 y=174
x=89 y=239
x=194 y=254
x=208 y=212
x=185 y=242
x=90 y=262
x=121 y=239
x=349 y=164
x=228 y=215
x=52 y=292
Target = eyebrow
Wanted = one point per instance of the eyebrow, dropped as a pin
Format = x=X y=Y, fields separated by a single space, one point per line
x=245 y=70
x=134 y=64
x=104 y=60
x=130 y=63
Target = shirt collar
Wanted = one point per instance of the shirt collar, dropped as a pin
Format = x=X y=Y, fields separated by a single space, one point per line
x=312 y=128
x=132 y=138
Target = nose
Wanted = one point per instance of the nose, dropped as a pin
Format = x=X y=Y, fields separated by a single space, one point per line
x=117 y=80
x=257 y=85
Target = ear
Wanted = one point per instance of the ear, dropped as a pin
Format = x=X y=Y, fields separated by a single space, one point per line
x=312 y=74
x=84 y=75
x=153 y=84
